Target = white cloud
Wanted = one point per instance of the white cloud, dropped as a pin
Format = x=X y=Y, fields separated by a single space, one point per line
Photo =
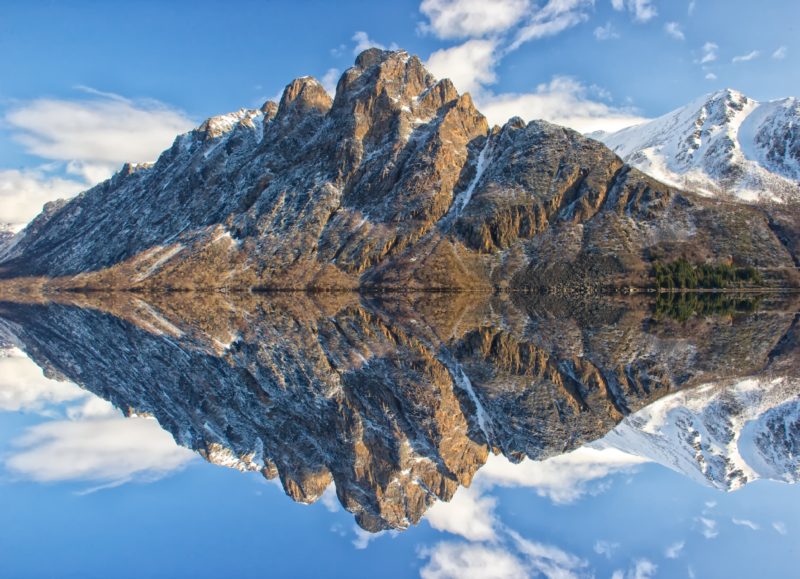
x=548 y=560
x=746 y=57
x=96 y=444
x=551 y=19
x=364 y=538
x=363 y=42
x=643 y=569
x=106 y=131
x=780 y=53
x=673 y=29
x=711 y=76
x=780 y=527
x=24 y=192
x=469 y=514
x=709 y=53
x=708 y=527
x=89 y=138
x=469 y=65
x=745 y=523
x=563 y=479
x=329 y=80
x=466 y=561
x=605 y=32
x=24 y=387
x=692 y=7
x=329 y=499
x=674 y=550
x=471 y=18
x=640 y=569
x=518 y=558
x=640 y=10
x=605 y=548
x=564 y=101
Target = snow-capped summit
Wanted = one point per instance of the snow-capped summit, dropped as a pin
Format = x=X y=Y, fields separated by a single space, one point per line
x=722 y=143
x=722 y=435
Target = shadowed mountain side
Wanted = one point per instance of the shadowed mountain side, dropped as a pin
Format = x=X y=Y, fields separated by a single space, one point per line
x=397 y=401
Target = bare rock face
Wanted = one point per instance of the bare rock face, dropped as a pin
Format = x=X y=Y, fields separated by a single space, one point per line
x=396 y=182
x=398 y=402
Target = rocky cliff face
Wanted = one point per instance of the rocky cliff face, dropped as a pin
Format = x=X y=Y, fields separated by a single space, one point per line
x=396 y=182
x=398 y=402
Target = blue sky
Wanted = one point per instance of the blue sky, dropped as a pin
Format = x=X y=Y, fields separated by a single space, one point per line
x=88 y=85
x=107 y=496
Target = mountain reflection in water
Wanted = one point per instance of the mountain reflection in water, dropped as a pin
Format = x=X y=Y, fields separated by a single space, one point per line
x=399 y=400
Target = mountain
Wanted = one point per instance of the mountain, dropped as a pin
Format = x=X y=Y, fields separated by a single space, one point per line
x=722 y=435
x=722 y=143
x=399 y=400
x=6 y=233
x=396 y=182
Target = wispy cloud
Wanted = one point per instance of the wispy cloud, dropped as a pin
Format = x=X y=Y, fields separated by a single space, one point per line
x=551 y=19
x=711 y=76
x=469 y=515
x=467 y=561
x=639 y=569
x=692 y=7
x=708 y=527
x=780 y=527
x=81 y=142
x=746 y=523
x=780 y=53
x=108 y=449
x=709 y=53
x=674 y=30
x=746 y=57
x=605 y=548
x=362 y=41
x=364 y=538
x=450 y=19
x=511 y=23
x=674 y=550
x=24 y=387
x=24 y=192
x=105 y=131
x=564 y=101
x=640 y=10
x=329 y=80
x=606 y=32
x=470 y=65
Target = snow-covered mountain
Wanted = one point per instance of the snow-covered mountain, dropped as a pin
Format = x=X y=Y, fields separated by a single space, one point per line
x=723 y=435
x=722 y=143
x=6 y=233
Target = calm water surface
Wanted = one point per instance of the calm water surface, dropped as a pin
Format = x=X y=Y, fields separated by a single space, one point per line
x=445 y=435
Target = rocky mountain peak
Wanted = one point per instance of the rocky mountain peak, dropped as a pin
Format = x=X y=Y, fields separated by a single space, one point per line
x=382 y=76
x=217 y=126
x=303 y=96
x=270 y=109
